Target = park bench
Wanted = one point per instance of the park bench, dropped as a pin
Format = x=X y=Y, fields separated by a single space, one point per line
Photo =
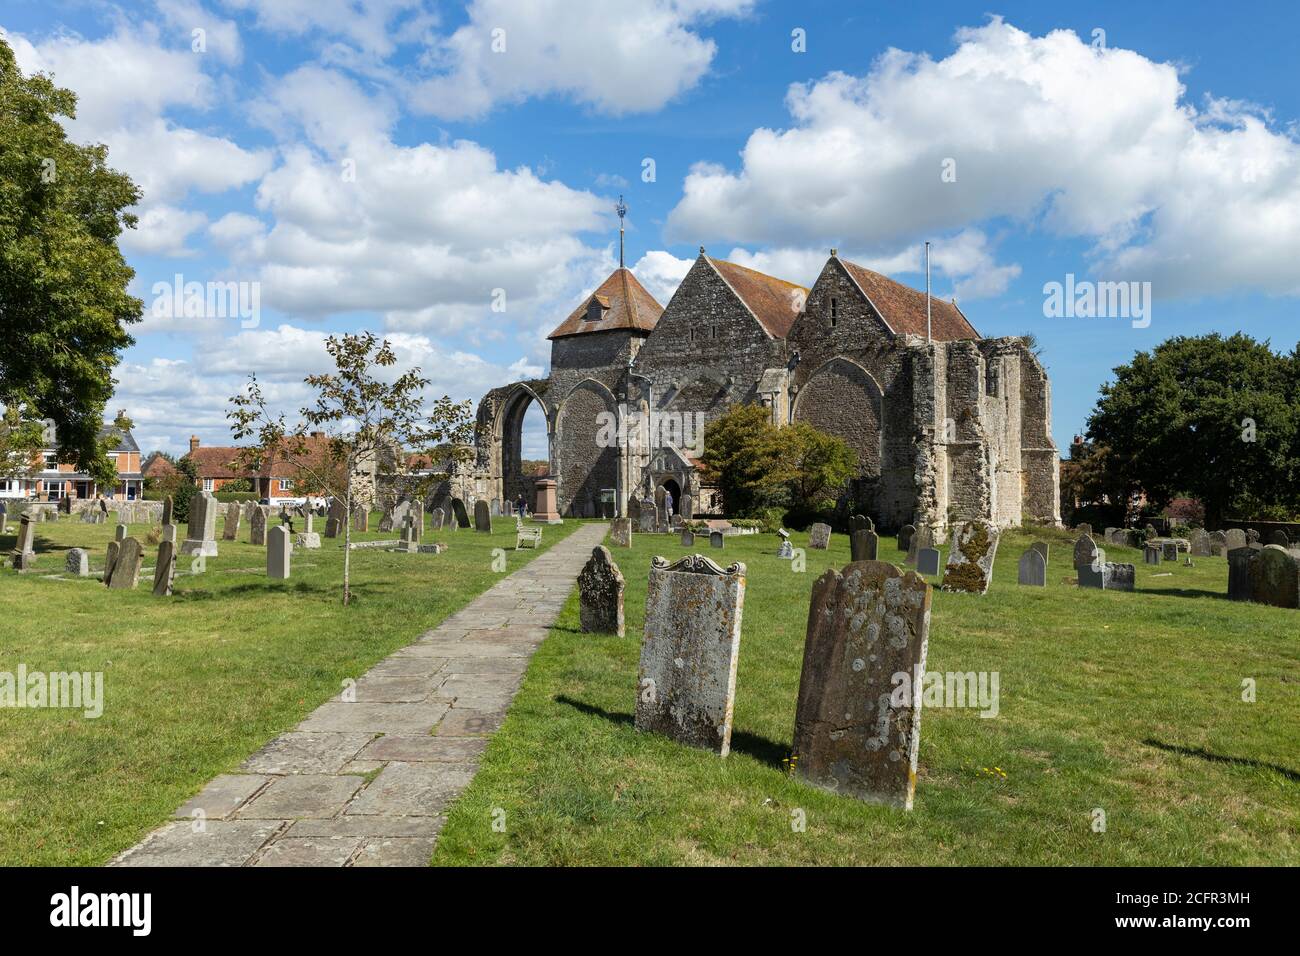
x=525 y=534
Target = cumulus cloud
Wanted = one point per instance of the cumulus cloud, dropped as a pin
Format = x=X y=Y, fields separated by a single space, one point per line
x=163 y=231
x=618 y=56
x=1098 y=144
x=370 y=26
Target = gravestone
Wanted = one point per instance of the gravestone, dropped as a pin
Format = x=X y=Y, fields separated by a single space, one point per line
x=1279 y=538
x=1093 y=574
x=495 y=506
x=1119 y=577
x=922 y=537
x=686 y=683
x=1109 y=535
x=1032 y=571
x=688 y=539
x=860 y=523
x=1218 y=544
x=482 y=518
x=863 y=545
x=785 y=550
x=334 y=523
x=78 y=562
x=854 y=733
x=676 y=522
x=1041 y=548
x=278 y=550
x=661 y=520
x=257 y=526
x=201 y=536
x=927 y=561
x=600 y=594
x=24 y=552
x=1200 y=544
x=687 y=508
x=819 y=536
x=361 y=518
x=436 y=519
x=970 y=558
x=1169 y=550
x=307 y=540
x=167 y=510
x=120 y=532
x=1084 y=528
x=164 y=570
x=110 y=559
x=386 y=522
x=459 y=512
x=646 y=522
x=1239 y=561
x=1235 y=538
x=905 y=536
x=716 y=539
x=620 y=532
x=1275 y=578
x=1252 y=536
x=1151 y=554
x=408 y=542
x=126 y=569
x=660 y=498
x=233 y=514
x=1084 y=548
x=634 y=511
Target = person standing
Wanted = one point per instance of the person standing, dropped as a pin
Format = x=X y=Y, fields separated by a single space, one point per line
x=668 y=505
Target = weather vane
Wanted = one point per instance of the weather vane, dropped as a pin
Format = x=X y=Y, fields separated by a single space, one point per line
x=621 y=209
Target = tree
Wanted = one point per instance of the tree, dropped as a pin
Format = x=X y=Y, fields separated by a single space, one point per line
x=362 y=417
x=1211 y=417
x=817 y=465
x=21 y=441
x=64 y=305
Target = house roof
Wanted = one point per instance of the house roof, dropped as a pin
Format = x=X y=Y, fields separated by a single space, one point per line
x=624 y=304
x=903 y=308
x=775 y=302
x=125 y=441
x=217 y=461
x=157 y=466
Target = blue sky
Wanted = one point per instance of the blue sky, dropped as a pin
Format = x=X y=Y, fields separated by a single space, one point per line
x=1163 y=151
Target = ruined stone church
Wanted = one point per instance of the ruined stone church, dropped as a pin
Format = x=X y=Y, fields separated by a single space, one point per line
x=946 y=425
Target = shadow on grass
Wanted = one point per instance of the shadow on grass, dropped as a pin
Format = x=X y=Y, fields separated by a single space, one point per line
x=1203 y=754
x=752 y=745
x=1186 y=592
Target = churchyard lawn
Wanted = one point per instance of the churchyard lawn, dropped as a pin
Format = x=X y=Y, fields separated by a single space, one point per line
x=1124 y=703
x=195 y=683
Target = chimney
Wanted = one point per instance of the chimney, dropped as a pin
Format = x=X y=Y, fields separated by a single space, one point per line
x=194 y=443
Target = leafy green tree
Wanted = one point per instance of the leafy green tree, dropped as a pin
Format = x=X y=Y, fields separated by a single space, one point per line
x=362 y=416
x=21 y=441
x=817 y=465
x=1207 y=416
x=64 y=305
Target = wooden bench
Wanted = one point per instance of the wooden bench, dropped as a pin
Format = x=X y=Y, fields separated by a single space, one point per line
x=524 y=535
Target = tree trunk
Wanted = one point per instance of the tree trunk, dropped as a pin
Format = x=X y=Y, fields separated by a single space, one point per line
x=347 y=536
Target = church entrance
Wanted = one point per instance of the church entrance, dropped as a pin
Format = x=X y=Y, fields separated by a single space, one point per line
x=671 y=486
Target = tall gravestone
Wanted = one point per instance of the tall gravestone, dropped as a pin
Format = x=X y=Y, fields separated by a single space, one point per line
x=110 y=559
x=164 y=570
x=482 y=517
x=24 y=552
x=855 y=733
x=620 y=532
x=1032 y=571
x=126 y=569
x=819 y=536
x=233 y=513
x=1239 y=560
x=278 y=549
x=1235 y=538
x=686 y=684
x=201 y=537
x=334 y=522
x=361 y=518
x=461 y=515
x=257 y=525
x=905 y=536
x=1084 y=549
x=863 y=545
x=687 y=508
x=970 y=558
x=921 y=538
x=600 y=594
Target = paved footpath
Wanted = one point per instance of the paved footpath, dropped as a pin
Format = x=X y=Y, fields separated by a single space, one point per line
x=421 y=718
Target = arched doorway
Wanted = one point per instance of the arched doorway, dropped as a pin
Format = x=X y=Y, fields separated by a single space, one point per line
x=525 y=443
x=673 y=488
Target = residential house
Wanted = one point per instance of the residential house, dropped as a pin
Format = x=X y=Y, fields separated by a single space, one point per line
x=53 y=480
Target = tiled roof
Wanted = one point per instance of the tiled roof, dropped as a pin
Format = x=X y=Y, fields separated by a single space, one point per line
x=624 y=302
x=124 y=442
x=217 y=462
x=903 y=308
x=157 y=466
x=774 y=302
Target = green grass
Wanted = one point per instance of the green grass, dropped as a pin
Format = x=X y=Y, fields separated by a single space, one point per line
x=1128 y=702
x=195 y=683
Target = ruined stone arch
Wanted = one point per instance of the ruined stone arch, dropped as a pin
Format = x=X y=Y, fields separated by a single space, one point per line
x=505 y=447
x=585 y=465
x=843 y=399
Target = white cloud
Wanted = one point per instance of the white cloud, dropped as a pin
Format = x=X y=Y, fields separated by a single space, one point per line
x=1091 y=143
x=618 y=56
x=163 y=231
x=220 y=36
x=372 y=26
x=661 y=273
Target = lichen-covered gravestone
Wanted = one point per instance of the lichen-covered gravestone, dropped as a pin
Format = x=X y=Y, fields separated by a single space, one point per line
x=857 y=731
x=233 y=514
x=126 y=569
x=1235 y=538
x=819 y=536
x=278 y=549
x=970 y=558
x=1275 y=577
x=863 y=545
x=436 y=518
x=687 y=508
x=646 y=521
x=257 y=525
x=620 y=532
x=1119 y=577
x=201 y=537
x=1218 y=544
x=1032 y=570
x=686 y=684
x=600 y=594
x=1169 y=550
x=164 y=571
x=482 y=517
x=78 y=562
x=1201 y=545
x=1084 y=549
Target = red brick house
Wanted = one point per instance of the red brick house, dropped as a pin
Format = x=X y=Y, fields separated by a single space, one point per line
x=219 y=465
x=53 y=480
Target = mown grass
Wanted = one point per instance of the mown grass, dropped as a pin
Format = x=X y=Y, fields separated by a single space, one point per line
x=195 y=683
x=1126 y=702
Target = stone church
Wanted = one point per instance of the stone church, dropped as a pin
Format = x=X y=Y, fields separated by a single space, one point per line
x=947 y=425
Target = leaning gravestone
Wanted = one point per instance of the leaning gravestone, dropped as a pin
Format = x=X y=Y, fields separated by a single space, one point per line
x=620 y=532
x=167 y=510
x=970 y=558
x=1201 y=545
x=1275 y=578
x=688 y=539
x=785 y=551
x=1235 y=538
x=863 y=545
x=1239 y=561
x=233 y=514
x=854 y=733
x=257 y=526
x=927 y=561
x=201 y=537
x=1032 y=571
x=110 y=559
x=461 y=515
x=1151 y=554
x=905 y=536
x=78 y=562
x=1084 y=548
x=716 y=539
x=819 y=536
x=278 y=550
x=482 y=517
x=600 y=594
x=126 y=569
x=686 y=685
x=24 y=552
x=164 y=570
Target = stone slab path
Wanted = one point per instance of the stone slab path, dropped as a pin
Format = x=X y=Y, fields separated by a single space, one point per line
x=368 y=782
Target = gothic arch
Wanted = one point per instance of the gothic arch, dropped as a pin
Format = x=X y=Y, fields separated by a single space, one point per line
x=507 y=438
x=585 y=447
x=842 y=398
